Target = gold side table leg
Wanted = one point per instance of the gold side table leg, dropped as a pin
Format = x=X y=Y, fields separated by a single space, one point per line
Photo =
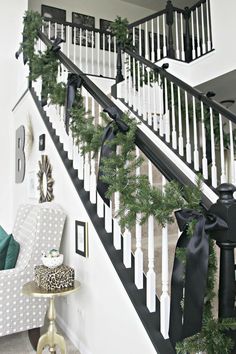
x=51 y=338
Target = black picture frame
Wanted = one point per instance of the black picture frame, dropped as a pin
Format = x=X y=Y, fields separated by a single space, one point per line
x=80 y=36
x=81 y=238
x=105 y=25
x=42 y=142
x=55 y=15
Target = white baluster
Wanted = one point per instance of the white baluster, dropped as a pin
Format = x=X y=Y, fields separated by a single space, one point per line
x=151 y=275
x=182 y=37
x=209 y=44
x=108 y=217
x=165 y=298
x=193 y=36
x=167 y=114
x=115 y=57
x=93 y=179
x=134 y=85
x=180 y=138
x=223 y=178
x=68 y=41
x=203 y=30
x=146 y=41
x=198 y=35
x=86 y=51
x=160 y=100
x=164 y=36
x=127 y=248
x=138 y=255
x=116 y=223
x=80 y=48
x=149 y=89
x=87 y=155
x=195 y=137
x=158 y=39
x=126 y=94
x=92 y=54
x=213 y=155
x=109 y=54
x=177 y=53
x=204 y=157
x=100 y=206
x=188 y=144
x=74 y=45
x=98 y=53
x=174 y=134
x=152 y=42
x=103 y=54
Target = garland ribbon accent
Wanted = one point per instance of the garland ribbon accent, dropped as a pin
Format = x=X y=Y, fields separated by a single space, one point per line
x=190 y=276
x=73 y=83
x=107 y=149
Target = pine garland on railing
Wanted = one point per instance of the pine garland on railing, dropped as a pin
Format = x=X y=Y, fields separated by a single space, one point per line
x=137 y=196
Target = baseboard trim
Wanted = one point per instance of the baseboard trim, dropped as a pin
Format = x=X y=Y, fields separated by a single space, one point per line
x=73 y=337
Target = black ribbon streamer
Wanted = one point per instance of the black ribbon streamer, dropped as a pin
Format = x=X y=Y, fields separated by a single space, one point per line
x=73 y=83
x=191 y=277
x=106 y=149
x=20 y=50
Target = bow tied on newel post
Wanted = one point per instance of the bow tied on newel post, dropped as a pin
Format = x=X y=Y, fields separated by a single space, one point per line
x=189 y=277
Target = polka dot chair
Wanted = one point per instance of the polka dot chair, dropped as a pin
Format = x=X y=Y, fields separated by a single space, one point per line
x=37 y=228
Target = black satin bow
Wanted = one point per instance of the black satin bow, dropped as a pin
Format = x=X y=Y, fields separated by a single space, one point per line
x=191 y=277
x=106 y=149
x=73 y=83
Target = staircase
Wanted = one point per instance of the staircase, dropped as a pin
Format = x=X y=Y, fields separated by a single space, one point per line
x=181 y=132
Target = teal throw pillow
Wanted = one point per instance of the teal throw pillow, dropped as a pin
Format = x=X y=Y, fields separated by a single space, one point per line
x=12 y=253
x=4 y=242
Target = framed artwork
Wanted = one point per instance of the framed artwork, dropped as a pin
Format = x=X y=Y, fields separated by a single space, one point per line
x=81 y=238
x=45 y=180
x=55 y=15
x=105 y=25
x=83 y=37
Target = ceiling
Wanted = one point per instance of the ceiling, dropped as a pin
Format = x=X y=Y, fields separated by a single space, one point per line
x=157 y=5
x=224 y=87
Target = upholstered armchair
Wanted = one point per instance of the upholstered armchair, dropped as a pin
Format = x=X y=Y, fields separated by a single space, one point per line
x=37 y=228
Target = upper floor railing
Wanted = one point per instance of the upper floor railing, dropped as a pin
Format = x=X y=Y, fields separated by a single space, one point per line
x=175 y=33
x=200 y=130
x=92 y=49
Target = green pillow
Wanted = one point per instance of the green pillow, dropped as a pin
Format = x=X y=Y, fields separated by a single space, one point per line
x=12 y=253
x=4 y=242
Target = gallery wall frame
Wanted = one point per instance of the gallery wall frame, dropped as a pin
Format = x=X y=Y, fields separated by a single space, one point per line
x=105 y=25
x=81 y=238
x=83 y=37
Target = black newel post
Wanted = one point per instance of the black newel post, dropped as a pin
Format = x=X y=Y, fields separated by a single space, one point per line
x=226 y=240
x=188 y=51
x=170 y=21
x=119 y=76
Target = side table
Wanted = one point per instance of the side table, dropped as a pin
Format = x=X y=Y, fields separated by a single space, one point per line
x=51 y=338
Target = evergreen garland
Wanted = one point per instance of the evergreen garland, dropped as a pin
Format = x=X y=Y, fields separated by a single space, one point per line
x=137 y=196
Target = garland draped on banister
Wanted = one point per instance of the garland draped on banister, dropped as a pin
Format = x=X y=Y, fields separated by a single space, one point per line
x=200 y=332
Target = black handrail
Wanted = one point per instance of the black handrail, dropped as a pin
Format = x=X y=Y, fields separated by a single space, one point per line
x=153 y=153
x=194 y=92
x=84 y=27
x=198 y=4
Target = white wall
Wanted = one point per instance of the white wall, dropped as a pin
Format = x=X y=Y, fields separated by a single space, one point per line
x=11 y=81
x=104 y=9
x=100 y=318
